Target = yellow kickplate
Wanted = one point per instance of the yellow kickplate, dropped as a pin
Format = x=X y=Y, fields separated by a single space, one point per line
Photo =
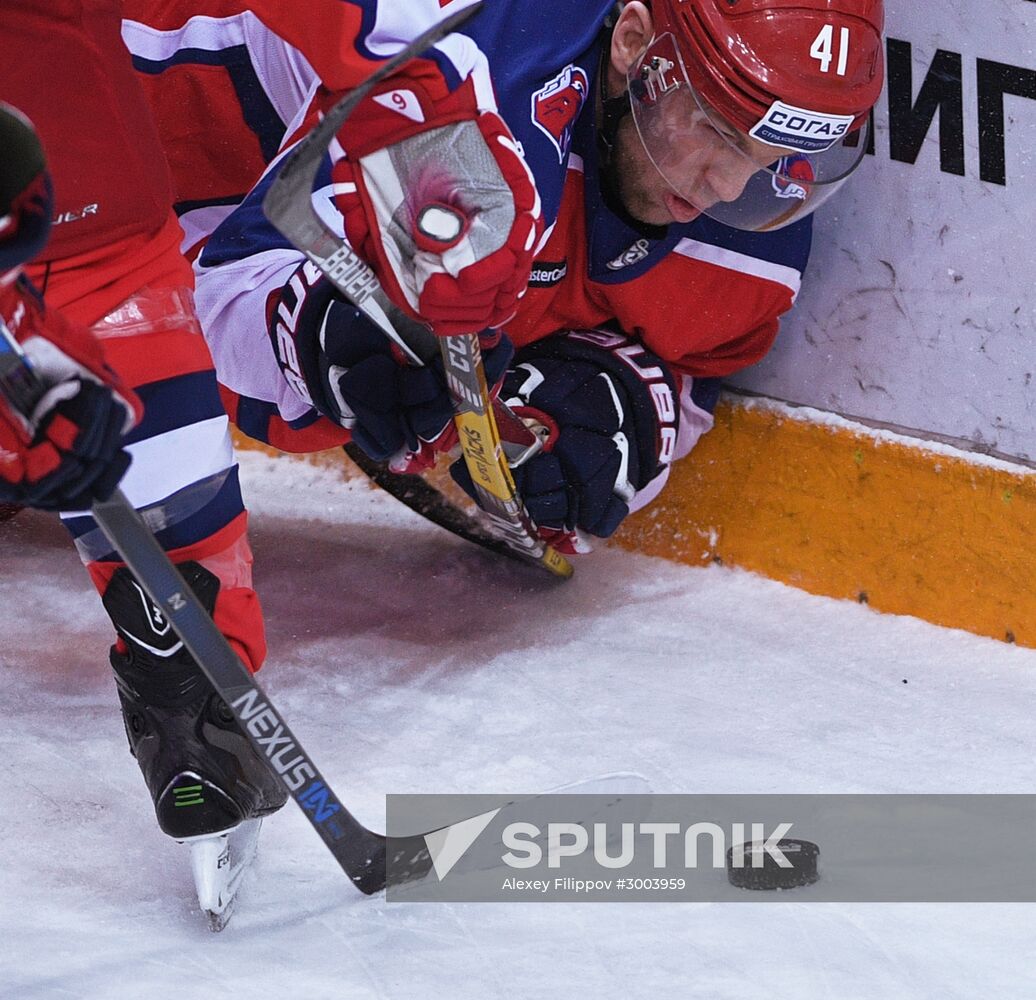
x=847 y=514
x=910 y=530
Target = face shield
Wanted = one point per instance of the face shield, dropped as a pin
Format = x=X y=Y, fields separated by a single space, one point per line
x=791 y=162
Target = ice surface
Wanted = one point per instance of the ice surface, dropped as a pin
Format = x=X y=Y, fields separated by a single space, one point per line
x=408 y=661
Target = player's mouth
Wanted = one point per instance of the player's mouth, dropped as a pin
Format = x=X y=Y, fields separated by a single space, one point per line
x=680 y=209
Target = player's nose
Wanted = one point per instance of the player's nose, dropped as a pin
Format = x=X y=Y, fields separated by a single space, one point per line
x=728 y=178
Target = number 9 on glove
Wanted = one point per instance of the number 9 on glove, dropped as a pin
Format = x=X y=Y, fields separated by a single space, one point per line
x=437 y=198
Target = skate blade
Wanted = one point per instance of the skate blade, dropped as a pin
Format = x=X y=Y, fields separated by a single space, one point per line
x=219 y=864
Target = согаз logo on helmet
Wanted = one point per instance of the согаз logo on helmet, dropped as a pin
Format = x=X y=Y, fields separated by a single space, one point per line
x=799 y=128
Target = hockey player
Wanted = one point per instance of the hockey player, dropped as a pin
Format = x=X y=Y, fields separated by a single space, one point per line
x=678 y=149
x=116 y=339
x=678 y=211
x=119 y=309
x=246 y=83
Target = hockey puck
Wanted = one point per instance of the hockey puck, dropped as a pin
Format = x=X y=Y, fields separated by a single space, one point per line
x=753 y=866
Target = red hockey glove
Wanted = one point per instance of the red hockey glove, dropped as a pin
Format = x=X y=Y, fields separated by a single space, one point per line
x=67 y=452
x=440 y=203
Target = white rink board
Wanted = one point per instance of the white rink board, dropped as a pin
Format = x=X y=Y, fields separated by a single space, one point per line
x=919 y=306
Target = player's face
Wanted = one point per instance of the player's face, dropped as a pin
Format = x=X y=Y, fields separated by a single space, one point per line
x=705 y=166
x=676 y=156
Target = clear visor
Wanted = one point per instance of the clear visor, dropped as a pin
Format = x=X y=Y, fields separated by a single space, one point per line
x=737 y=179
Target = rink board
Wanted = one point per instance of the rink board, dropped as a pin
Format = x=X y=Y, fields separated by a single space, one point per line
x=839 y=509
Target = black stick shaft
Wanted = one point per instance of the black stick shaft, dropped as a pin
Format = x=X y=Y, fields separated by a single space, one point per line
x=359 y=851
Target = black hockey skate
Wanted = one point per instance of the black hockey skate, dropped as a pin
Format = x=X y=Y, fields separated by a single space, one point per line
x=203 y=774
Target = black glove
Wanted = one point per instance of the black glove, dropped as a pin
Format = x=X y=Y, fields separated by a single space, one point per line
x=357 y=377
x=609 y=409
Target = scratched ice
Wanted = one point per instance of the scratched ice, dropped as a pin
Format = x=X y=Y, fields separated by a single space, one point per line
x=407 y=661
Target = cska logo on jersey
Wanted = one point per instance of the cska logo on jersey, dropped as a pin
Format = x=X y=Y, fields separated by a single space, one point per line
x=556 y=105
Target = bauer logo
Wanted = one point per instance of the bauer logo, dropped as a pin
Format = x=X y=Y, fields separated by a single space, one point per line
x=798 y=128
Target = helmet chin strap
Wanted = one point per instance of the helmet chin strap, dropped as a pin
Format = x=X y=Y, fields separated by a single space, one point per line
x=612 y=111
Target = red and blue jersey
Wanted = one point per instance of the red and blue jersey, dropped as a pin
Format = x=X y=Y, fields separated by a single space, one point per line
x=702 y=296
x=113 y=263
x=223 y=88
x=223 y=79
x=226 y=79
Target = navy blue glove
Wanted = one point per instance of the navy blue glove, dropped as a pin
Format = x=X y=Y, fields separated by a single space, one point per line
x=352 y=373
x=609 y=407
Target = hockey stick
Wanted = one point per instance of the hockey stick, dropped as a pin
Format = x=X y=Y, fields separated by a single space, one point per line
x=289 y=207
x=480 y=444
x=365 y=856
x=424 y=499
x=361 y=853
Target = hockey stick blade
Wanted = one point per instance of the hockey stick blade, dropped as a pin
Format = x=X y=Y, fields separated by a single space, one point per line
x=423 y=498
x=410 y=858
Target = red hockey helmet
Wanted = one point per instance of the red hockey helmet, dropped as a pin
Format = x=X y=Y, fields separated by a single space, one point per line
x=791 y=78
x=743 y=55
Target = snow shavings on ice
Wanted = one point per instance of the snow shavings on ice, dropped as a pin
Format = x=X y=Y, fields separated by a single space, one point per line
x=409 y=661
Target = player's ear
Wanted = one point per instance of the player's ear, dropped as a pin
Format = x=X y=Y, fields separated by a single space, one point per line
x=632 y=32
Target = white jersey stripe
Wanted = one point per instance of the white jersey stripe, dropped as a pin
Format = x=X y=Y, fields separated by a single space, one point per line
x=782 y=274
x=211 y=34
x=164 y=464
x=285 y=74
